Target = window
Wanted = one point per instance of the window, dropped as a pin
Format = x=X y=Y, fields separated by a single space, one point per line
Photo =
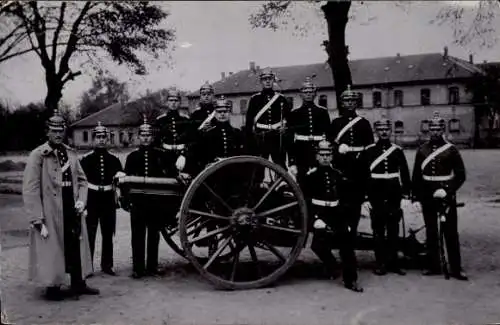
x=85 y=136
x=453 y=96
x=425 y=96
x=454 y=125
x=377 y=98
x=424 y=126
x=323 y=101
x=131 y=137
x=290 y=101
x=243 y=106
x=122 y=137
x=398 y=98
x=230 y=102
x=112 y=138
x=399 y=127
x=360 y=103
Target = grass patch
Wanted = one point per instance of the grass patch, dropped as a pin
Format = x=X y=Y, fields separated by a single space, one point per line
x=9 y=165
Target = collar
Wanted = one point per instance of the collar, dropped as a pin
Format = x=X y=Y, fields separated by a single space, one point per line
x=172 y=113
x=269 y=92
x=384 y=143
x=437 y=142
x=47 y=149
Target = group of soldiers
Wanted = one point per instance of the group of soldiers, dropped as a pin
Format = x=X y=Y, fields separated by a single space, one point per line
x=337 y=164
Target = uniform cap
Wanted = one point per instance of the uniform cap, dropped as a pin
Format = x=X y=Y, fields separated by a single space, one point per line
x=56 y=122
x=145 y=128
x=308 y=84
x=207 y=86
x=222 y=102
x=382 y=123
x=437 y=121
x=100 y=129
x=324 y=146
x=173 y=92
x=349 y=94
x=266 y=72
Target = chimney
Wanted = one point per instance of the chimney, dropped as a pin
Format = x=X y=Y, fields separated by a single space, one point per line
x=471 y=59
x=485 y=61
x=445 y=54
x=223 y=75
x=257 y=67
x=398 y=58
x=230 y=73
x=252 y=66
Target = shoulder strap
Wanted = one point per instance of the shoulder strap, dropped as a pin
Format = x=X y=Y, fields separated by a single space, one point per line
x=384 y=155
x=435 y=153
x=266 y=107
x=347 y=127
x=207 y=120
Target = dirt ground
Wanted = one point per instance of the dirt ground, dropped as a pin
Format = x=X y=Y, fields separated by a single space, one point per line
x=183 y=297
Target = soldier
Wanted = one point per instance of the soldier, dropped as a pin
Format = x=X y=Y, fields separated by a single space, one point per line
x=438 y=173
x=55 y=195
x=388 y=192
x=323 y=187
x=100 y=166
x=266 y=118
x=309 y=124
x=352 y=134
x=173 y=130
x=146 y=161
x=203 y=115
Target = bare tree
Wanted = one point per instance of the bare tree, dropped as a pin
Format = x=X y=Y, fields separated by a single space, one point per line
x=59 y=32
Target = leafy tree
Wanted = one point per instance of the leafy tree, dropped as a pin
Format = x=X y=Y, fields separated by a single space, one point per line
x=60 y=32
x=104 y=92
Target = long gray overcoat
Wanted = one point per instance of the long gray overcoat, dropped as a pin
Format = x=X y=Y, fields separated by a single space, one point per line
x=42 y=195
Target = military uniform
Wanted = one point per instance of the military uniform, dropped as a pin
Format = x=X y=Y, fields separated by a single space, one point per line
x=100 y=166
x=352 y=134
x=307 y=125
x=264 y=129
x=439 y=166
x=203 y=115
x=388 y=184
x=146 y=211
x=324 y=190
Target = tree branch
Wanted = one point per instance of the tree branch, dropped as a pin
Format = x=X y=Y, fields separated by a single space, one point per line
x=70 y=76
x=40 y=34
x=21 y=52
x=60 y=24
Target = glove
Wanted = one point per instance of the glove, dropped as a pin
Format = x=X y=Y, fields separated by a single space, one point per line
x=405 y=203
x=417 y=206
x=185 y=177
x=367 y=205
x=343 y=148
x=319 y=224
x=79 y=206
x=180 y=163
x=44 y=232
x=439 y=194
x=293 y=170
x=120 y=174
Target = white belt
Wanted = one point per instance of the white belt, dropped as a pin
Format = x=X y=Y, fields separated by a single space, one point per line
x=66 y=184
x=385 y=176
x=173 y=146
x=308 y=137
x=100 y=187
x=438 y=178
x=355 y=149
x=325 y=203
x=274 y=126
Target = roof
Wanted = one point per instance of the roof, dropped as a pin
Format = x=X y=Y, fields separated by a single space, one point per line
x=130 y=114
x=365 y=72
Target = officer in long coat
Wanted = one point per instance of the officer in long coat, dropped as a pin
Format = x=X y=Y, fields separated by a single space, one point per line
x=352 y=134
x=100 y=166
x=307 y=125
x=55 y=196
x=146 y=212
x=438 y=174
x=324 y=190
x=265 y=121
x=388 y=192
x=174 y=130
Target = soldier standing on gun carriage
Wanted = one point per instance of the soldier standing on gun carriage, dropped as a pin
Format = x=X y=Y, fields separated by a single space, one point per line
x=173 y=130
x=266 y=119
x=438 y=173
x=388 y=192
x=324 y=188
x=100 y=166
x=308 y=125
x=146 y=212
x=352 y=134
x=55 y=194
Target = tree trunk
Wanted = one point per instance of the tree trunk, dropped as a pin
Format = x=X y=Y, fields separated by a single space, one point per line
x=337 y=16
x=54 y=92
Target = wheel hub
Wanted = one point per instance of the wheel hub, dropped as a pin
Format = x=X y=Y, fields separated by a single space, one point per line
x=244 y=218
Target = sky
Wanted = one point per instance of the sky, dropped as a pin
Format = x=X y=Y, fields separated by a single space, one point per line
x=215 y=37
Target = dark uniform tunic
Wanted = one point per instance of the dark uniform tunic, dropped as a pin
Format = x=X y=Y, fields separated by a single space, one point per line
x=389 y=182
x=324 y=190
x=200 y=114
x=198 y=117
x=100 y=167
x=265 y=136
x=358 y=137
x=445 y=171
x=146 y=210
x=71 y=220
x=307 y=125
x=174 y=131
